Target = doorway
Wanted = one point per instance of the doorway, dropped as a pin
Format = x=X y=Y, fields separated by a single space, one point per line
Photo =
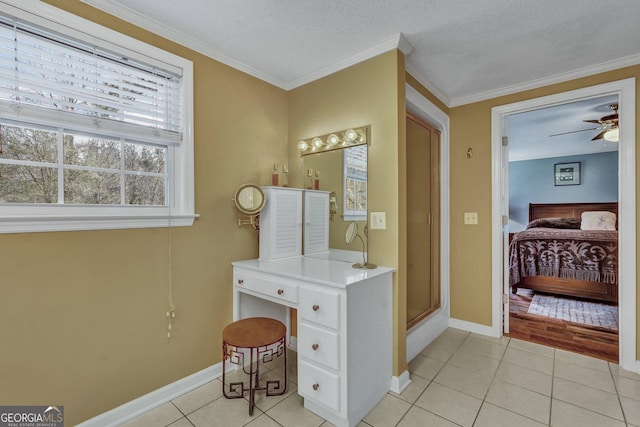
x=437 y=322
x=625 y=90
x=563 y=308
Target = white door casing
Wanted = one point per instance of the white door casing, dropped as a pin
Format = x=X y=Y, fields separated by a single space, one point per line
x=626 y=91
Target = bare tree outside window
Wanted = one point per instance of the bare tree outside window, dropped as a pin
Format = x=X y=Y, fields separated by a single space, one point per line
x=94 y=169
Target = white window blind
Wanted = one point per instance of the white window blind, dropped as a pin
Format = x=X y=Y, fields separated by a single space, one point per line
x=57 y=79
x=103 y=120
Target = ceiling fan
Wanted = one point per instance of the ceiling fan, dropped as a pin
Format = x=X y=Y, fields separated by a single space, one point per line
x=609 y=130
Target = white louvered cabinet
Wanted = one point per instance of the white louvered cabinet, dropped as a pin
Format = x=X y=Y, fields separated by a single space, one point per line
x=316 y=221
x=281 y=223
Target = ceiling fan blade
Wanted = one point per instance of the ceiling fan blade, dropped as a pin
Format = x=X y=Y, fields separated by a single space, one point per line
x=611 y=117
x=600 y=135
x=574 y=131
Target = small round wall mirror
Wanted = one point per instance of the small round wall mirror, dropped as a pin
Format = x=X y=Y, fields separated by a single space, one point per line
x=249 y=199
x=352 y=232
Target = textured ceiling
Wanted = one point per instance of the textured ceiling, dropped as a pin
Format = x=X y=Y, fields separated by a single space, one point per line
x=462 y=50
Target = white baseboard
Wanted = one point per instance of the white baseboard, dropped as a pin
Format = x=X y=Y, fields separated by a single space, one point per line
x=424 y=333
x=474 y=327
x=293 y=343
x=138 y=406
x=398 y=384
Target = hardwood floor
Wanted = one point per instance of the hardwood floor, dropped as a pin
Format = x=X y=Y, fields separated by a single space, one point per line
x=580 y=338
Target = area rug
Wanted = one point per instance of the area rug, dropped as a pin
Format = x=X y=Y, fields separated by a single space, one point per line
x=591 y=313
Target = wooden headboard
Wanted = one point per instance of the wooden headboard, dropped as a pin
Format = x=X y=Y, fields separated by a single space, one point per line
x=568 y=210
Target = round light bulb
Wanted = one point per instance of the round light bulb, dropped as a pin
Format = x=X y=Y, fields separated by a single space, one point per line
x=351 y=135
x=612 y=135
x=317 y=143
x=332 y=140
x=303 y=146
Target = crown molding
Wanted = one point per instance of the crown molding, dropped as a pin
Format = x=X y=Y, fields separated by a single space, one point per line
x=397 y=41
x=163 y=30
x=428 y=84
x=546 y=81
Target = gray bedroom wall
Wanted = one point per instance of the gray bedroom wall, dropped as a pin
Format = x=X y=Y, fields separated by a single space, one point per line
x=532 y=181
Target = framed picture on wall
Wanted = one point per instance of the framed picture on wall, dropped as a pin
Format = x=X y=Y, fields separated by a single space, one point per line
x=567 y=173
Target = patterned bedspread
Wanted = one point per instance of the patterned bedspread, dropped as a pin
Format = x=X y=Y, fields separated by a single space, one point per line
x=564 y=253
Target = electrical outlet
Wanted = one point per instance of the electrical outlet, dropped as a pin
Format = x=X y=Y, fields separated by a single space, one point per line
x=471 y=218
x=378 y=220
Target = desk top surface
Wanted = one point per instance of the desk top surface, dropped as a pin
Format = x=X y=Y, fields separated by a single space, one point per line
x=323 y=271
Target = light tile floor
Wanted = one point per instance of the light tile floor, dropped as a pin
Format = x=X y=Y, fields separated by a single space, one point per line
x=461 y=379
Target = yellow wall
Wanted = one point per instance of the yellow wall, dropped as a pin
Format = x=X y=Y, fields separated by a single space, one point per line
x=368 y=93
x=471 y=192
x=83 y=313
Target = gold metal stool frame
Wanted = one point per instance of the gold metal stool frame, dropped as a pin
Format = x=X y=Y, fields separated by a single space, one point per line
x=264 y=339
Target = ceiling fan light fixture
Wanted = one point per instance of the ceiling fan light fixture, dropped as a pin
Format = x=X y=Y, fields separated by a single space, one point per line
x=612 y=135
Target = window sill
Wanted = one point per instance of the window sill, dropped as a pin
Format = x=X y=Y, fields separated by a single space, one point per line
x=34 y=224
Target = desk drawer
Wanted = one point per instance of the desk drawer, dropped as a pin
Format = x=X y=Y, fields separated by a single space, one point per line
x=319 y=345
x=280 y=289
x=320 y=306
x=319 y=385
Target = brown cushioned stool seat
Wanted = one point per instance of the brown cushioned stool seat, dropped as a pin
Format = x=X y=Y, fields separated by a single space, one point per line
x=262 y=339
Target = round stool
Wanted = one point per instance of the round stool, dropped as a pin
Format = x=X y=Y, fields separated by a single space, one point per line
x=263 y=339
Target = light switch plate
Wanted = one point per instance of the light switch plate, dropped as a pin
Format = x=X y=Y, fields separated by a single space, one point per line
x=378 y=220
x=471 y=218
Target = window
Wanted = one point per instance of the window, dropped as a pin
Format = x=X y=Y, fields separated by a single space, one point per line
x=92 y=135
x=355 y=183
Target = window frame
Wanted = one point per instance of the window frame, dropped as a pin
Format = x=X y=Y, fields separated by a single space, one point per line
x=22 y=218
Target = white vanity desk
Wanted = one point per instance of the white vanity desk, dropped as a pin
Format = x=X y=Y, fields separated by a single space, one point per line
x=344 y=332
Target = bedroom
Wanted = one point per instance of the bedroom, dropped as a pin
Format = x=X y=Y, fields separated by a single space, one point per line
x=544 y=144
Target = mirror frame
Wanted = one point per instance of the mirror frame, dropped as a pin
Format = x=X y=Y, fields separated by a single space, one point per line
x=243 y=209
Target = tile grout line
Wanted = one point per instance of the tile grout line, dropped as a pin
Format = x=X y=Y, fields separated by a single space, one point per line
x=493 y=378
x=431 y=381
x=516 y=385
x=615 y=386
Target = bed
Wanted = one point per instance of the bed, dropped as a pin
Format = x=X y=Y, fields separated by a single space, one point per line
x=554 y=255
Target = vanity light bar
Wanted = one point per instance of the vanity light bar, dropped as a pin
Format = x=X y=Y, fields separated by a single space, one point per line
x=334 y=141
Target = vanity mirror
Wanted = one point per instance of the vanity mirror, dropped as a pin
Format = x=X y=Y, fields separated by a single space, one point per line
x=342 y=171
x=249 y=199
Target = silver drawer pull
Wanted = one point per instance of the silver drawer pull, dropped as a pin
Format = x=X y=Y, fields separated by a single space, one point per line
x=240 y=281
x=280 y=291
x=316 y=307
x=316 y=386
x=315 y=347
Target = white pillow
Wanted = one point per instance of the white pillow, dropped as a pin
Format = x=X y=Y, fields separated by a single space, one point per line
x=598 y=220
